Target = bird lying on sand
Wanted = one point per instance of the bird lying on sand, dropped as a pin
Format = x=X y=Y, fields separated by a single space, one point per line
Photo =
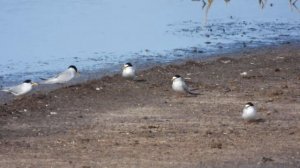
x=180 y=86
x=20 y=89
x=62 y=77
x=249 y=112
x=128 y=71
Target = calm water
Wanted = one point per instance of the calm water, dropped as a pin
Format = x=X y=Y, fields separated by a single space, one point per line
x=42 y=37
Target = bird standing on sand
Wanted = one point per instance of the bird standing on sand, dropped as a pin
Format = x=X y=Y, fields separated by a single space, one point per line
x=249 y=112
x=128 y=71
x=63 y=77
x=20 y=89
x=180 y=86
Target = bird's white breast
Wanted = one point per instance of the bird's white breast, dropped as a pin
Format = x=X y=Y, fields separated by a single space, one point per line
x=22 y=89
x=249 y=113
x=178 y=85
x=128 y=72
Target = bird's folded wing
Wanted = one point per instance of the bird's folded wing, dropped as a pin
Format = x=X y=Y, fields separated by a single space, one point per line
x=13 y=90
x=191 y=91
x=8 y=89
x=51 y=79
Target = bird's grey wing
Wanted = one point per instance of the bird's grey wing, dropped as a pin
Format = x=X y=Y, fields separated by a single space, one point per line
x=53 y=79
x=14 y=89
x=63 y=74
x=188 y=90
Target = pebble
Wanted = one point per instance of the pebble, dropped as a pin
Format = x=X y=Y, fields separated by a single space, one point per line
x=243 y=74
x=99 y=88
x=226 y=61
x=53 y=113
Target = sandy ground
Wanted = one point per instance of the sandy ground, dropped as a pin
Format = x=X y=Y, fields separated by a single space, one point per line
x=112 y=122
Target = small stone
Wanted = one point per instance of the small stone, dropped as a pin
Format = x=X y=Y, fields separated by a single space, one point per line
x=153 y=126
x=279 y=57
x=269 y=100
x=53 y=113
x=243 y=74
x=266 y=159
x=216 y=145
x=291 y=133
x=226 y=61
x=208 y=132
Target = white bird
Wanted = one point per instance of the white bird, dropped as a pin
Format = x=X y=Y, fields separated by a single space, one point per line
x=20 y=89
x=63 y=77
x=128 y=71
x=180 y=86
x=249 y=112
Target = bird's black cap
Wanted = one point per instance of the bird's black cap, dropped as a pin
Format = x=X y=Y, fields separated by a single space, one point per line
x=177 y=76
x=27 y=81
x=74 y=67
x=250 y=104
x=129 y=64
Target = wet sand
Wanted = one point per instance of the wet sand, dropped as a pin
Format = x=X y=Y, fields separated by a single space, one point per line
x=112 y=122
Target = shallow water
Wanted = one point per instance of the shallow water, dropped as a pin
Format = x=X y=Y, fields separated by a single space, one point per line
x=41 y=38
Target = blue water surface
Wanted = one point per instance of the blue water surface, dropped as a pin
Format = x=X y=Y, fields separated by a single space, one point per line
x=39 y=38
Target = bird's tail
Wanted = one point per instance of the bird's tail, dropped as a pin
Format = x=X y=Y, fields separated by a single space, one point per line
x=49 y=81
x=193 y=93
x=4 y=89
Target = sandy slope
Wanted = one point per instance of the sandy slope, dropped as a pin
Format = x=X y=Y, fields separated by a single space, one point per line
x=144 y=124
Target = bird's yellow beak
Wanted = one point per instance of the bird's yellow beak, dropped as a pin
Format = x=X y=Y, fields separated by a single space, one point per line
x=173 y=78
x=34 y=84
